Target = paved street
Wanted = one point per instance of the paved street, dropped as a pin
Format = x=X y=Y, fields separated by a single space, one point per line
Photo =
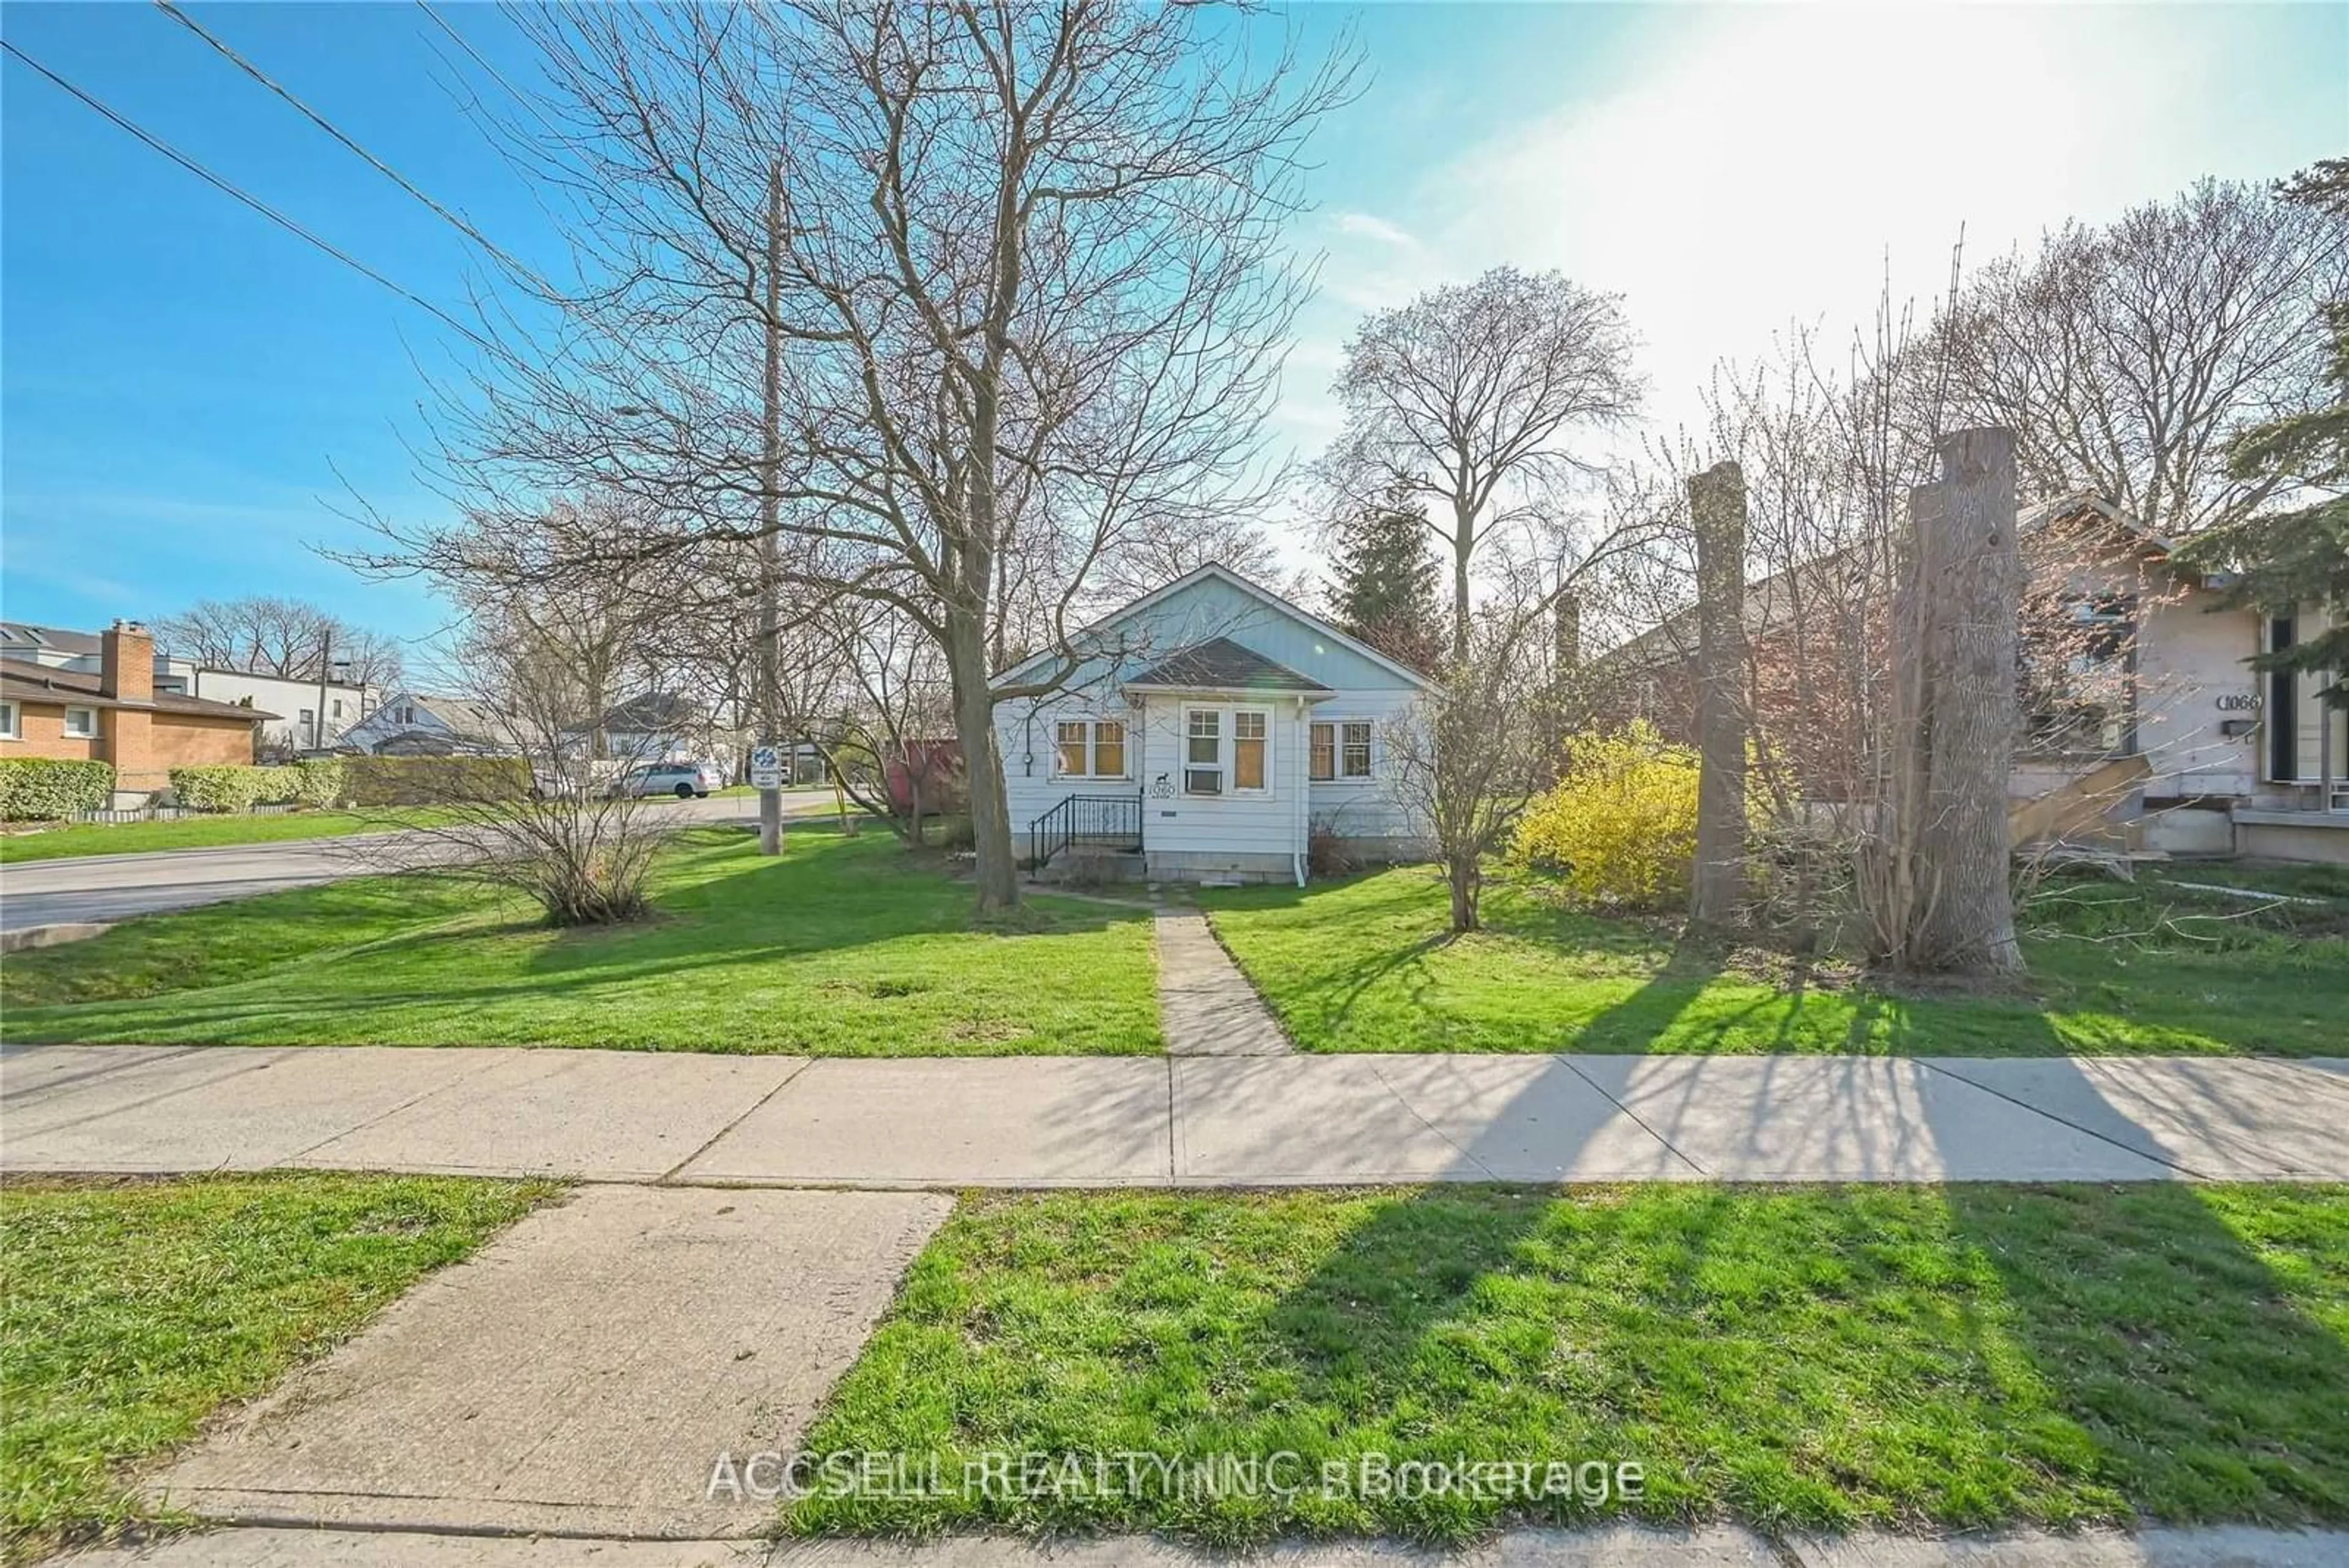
x=102 y=887
x=682 y=1118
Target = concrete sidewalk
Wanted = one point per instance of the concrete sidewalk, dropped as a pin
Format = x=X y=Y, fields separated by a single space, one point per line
x=1619 y=1546
x=1297 y=1120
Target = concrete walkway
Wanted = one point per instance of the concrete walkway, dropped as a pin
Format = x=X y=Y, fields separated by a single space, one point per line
x=580 y=1376
x=1296 y=1120
x=1207 y=1005
x=1602 y=1547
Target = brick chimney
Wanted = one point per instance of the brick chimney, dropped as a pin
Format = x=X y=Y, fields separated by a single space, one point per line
x=126 y=662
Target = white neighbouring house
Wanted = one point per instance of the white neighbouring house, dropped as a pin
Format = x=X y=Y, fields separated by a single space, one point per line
x=1209 y=731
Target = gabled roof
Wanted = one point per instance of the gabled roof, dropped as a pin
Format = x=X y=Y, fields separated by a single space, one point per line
x=1217 y=569
x=650 y=711
x=24 y=635
x=1219 y=664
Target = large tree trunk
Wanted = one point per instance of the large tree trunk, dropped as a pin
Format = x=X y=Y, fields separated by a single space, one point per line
x=1464 y=545
x=1977 y=589
x=1717 y=511
x=1463 y=878
x=998 y=874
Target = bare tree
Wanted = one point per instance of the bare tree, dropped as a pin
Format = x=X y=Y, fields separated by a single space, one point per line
x=1468 y=758
x=262 y=635
x=2130 y=358
x=870 y=692
x=520 y=804
x=1028 y=269
x=1465 y=399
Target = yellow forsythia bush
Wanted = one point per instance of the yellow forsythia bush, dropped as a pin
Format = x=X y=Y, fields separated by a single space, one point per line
x=1619 y=830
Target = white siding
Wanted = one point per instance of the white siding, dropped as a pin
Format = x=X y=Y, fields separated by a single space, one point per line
x=2189 y=656
x=1366 y=808
x=1024 y=732
x=1270 y=823
x=1196 y=835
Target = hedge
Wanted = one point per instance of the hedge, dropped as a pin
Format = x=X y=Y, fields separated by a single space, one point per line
x=318 y=781
x=233 y=787
x=427 y=781
x=39 y=789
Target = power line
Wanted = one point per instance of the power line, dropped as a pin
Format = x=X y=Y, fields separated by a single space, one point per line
x=245 y=198
x=455 y=220
x=463 y=43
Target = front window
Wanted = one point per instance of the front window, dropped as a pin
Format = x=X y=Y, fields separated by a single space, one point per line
x=1089 y=748
x=81 y=722
x=2077 y=676
x=1202 y=754
x=8 y=731
x=1340 y=750
x=1248 y=742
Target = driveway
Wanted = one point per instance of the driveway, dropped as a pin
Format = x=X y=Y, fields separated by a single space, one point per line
x=103 y=887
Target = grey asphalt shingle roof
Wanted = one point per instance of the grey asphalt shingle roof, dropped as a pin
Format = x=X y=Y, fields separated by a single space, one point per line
x=1219 y=664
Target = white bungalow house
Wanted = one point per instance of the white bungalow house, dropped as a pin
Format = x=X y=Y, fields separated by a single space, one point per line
x=1210 y=729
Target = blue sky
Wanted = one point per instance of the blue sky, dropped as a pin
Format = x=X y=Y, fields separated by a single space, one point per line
x=186 y=391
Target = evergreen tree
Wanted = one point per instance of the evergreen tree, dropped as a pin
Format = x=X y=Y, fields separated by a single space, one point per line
x=2299 y=558
x=1385 y=592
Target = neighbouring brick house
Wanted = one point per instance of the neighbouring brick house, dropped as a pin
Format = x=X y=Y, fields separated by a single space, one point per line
x=116 y=715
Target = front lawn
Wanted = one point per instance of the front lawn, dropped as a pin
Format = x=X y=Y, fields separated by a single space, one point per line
x=196 y=833
x=1917 y=1358
x=840 y=947
x=1367 y=965
x=132 y=1310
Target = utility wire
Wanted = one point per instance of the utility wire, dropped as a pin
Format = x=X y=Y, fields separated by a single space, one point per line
x=238 y=193
x=455 y=220
x=465 y=44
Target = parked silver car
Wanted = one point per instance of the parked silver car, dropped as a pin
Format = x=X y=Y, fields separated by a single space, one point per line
x=686 y=781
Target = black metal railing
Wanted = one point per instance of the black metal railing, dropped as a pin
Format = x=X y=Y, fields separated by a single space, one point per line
x=1092 y=821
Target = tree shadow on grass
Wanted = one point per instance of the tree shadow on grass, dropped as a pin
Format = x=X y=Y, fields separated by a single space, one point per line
x=2174 y=1372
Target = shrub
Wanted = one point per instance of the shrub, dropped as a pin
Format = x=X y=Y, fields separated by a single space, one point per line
x=36 y=789
x=1619 y=828
x=428 y=781
x=231 y=786
x=318 y=781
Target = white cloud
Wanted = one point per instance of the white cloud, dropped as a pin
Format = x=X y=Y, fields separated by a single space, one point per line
x=1365 y=225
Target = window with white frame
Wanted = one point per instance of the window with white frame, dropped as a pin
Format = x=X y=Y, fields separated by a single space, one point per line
x=8 y=731
x=1202 y=752
x=81 y=723
x=1089 y=749
x=1340 y=750
x=1251 y=742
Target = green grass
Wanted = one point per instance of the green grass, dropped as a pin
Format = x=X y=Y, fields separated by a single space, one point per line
x=1367 y=965
x=131 y=1312
x=840 y=947
x=1912 y=1358
x=196 y=833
